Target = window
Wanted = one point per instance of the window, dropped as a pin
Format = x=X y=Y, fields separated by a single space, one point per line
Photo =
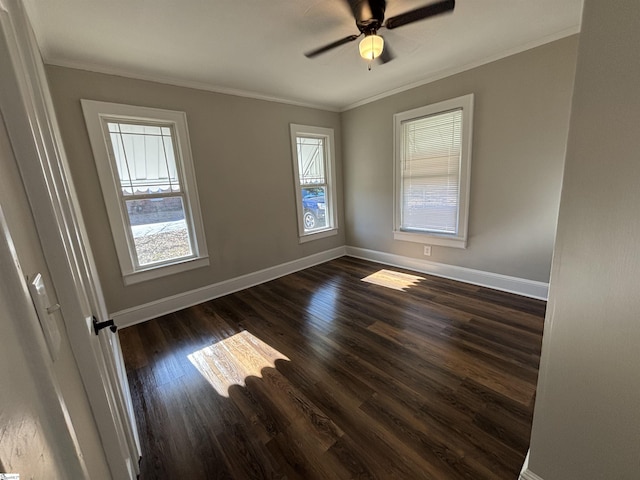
x=143 y=158
x=432 y=172
x=314 y=176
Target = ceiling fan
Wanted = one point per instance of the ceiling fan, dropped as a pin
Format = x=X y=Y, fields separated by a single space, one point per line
x=369 y=16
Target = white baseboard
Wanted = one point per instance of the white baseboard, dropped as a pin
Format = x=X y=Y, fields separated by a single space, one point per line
x=527 y=474
x=505 y=283
x=141 y=313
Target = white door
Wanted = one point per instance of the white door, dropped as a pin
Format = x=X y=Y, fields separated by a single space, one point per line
x=29 y=388
x=26 y=105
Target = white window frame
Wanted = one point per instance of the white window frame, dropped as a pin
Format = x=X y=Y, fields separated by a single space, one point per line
x=458 y=240
x=96 y=115
x=330 y=176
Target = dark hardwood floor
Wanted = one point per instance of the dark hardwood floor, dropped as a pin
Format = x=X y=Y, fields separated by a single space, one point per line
x=321 y=375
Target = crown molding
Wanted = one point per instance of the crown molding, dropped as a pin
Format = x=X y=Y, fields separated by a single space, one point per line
x=469 y=66
x=167 y=80
x=89 y=67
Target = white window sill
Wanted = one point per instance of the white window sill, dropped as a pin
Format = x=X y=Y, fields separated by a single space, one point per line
x=164 y=270
x=430 y=239
x=317 y=235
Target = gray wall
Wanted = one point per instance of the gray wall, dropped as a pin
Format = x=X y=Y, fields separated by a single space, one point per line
x=521 y=117
x=587 y=414
x=242 y=157
x=242 y=160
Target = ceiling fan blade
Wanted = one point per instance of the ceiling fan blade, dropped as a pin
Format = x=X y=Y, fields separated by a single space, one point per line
x=361 y=9
x=326 y=48
x=386 y=55
x=420 y=13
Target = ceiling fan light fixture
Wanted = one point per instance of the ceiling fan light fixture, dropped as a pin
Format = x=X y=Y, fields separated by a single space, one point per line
x=371 y=46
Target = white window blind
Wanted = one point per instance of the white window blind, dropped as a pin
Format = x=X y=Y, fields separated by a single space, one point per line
x=431 y=172
x=432 y=165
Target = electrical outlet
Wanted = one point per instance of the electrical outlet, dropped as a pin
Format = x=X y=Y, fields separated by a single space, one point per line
x=427 y=250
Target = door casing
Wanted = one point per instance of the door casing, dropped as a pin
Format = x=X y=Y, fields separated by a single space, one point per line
x=32 y=127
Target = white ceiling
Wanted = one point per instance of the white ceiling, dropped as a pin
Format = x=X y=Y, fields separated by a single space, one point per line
x=255 y=47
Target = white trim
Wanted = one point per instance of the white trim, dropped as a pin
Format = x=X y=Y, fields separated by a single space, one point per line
x=318 y=235
x=469 y=66
x=164 y=270
x=20 y=317
x=430 y=239
x=27 y=108
x=96 y=115
x=525 y=473
x=131 y=316
x=164 y=306
x=465 y=104
x=164 y=80
x=331 y=214
x=50 y=60
x=529 y=475
x=496 y=281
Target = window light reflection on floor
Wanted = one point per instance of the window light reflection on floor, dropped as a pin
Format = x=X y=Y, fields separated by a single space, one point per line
x=395 y=280
x=230 y=361
x=323 y=302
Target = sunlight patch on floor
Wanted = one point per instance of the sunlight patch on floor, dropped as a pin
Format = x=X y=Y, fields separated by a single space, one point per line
x=395 y=280
x=232 y=360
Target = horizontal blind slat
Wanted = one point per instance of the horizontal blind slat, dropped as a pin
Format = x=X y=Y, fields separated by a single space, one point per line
x=431 y=172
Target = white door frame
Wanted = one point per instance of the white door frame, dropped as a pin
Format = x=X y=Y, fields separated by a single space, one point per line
x=31 y=124
x=23 y=341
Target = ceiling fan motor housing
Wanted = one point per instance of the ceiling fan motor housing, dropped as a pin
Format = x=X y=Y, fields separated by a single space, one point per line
x=370 y=15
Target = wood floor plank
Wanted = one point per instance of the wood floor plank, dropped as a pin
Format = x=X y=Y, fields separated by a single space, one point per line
x=324 y=375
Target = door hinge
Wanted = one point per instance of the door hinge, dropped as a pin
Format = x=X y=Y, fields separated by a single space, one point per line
x=97 y=326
